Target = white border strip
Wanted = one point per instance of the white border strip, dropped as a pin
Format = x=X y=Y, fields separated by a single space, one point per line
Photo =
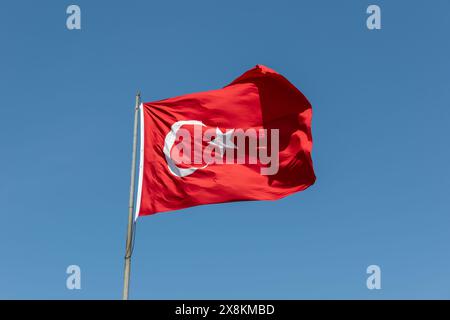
x=141 y=162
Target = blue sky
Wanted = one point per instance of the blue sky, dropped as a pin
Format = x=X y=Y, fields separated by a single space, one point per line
x=381 y=113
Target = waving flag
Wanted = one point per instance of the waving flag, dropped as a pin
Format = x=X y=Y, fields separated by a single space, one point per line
x=250 y=140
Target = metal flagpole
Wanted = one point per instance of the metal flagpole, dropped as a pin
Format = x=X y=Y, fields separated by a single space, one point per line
x=130 y=229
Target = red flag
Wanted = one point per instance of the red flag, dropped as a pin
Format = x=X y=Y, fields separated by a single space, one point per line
x=250 y=140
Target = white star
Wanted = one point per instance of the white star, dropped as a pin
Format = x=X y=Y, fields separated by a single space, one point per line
x=223 y=140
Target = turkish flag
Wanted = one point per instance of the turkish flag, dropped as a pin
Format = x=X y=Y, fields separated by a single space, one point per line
x=250 y=140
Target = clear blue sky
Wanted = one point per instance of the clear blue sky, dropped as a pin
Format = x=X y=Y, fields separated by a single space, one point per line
x=381 y=152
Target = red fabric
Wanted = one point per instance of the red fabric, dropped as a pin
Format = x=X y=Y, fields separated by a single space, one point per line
x=260 y=98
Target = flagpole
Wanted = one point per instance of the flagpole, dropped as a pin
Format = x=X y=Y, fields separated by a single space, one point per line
x=130 y=229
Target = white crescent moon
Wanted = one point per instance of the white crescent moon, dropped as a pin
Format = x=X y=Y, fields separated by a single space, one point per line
x=168 y=144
